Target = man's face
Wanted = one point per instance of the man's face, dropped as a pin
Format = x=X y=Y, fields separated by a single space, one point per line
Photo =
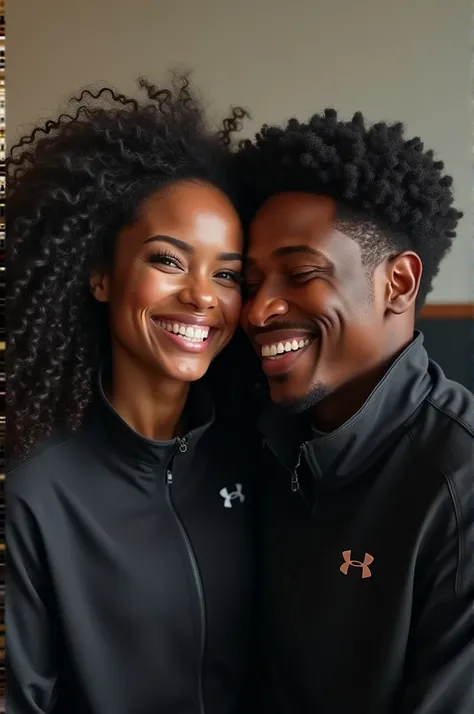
x=313 y=313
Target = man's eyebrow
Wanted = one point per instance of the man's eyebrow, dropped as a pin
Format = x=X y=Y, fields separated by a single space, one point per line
x=292 y=249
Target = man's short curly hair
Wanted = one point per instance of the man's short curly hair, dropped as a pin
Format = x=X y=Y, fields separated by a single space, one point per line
x=72 y=185
x=377 y=176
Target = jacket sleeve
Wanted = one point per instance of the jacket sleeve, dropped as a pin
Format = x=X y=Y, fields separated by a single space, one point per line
x=31 y=671
x=439 y=677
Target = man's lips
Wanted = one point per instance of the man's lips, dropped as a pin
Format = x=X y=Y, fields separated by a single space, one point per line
x=279 y=349
x=281 y=336
x=283 y=362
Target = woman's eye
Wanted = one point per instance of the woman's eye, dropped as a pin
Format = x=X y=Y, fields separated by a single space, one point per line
x=168 y=261
x=229 y=275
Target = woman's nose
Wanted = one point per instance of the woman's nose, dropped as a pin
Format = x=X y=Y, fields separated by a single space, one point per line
x=200 y=294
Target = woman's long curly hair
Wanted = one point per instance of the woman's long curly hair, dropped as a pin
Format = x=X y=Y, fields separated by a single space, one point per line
x=72 y=185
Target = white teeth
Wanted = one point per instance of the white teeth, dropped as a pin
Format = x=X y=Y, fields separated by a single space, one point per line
x=280 y=348
x=191 y=334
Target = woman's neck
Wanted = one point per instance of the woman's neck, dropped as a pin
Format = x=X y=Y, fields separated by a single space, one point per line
x=149 y=403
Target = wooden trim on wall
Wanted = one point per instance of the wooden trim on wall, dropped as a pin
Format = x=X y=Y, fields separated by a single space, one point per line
x=448 y=311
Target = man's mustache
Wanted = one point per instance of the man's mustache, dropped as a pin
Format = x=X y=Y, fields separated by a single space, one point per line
x=284 y=325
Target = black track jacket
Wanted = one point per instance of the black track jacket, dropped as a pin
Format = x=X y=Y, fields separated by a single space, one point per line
x=368 y=553
x=130 y=571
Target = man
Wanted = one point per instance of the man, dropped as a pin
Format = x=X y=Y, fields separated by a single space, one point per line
x=368 y=488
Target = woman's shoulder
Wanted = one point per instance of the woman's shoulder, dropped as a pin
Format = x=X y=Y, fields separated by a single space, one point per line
x=28 y=477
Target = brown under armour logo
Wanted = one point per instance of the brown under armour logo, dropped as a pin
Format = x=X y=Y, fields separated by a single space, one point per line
x=349 y=563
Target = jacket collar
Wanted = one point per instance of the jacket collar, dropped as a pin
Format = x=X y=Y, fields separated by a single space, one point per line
x=127 y=447
x=338 y=456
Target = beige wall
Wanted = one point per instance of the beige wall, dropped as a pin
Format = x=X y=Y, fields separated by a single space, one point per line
x=393 y=59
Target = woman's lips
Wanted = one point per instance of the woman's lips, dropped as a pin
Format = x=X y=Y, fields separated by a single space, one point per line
x=189 y=338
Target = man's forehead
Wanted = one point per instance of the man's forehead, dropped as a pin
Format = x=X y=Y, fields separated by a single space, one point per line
x=292 y=217
x=292 y=223
x=296 y=213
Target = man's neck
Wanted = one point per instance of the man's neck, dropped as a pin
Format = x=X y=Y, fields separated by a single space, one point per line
x=338 y=407
x=149 y=403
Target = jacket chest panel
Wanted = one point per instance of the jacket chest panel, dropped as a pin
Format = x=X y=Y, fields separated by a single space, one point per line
x=350 y=565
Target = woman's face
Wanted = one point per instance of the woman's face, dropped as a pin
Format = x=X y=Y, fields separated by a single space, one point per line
x=174 y=288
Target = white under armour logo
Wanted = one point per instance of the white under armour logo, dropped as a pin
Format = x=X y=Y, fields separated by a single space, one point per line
x=229 y=497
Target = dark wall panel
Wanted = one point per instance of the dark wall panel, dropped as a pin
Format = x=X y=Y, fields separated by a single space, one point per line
x=450 y=342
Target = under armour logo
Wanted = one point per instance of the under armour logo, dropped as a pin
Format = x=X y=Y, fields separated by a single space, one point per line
x=229 y=497
x=364 y=564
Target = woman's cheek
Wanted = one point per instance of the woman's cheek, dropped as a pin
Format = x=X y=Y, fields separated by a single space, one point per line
x=232 y=308
x=150 y=289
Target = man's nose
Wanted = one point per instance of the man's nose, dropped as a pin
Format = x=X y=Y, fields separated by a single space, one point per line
x=263 y=307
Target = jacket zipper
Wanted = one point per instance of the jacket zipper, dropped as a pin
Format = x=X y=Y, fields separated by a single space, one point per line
x=295 y=481
x=294 y=478
x=194 y=566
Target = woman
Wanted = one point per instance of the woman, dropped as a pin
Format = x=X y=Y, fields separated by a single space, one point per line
x=129 y=529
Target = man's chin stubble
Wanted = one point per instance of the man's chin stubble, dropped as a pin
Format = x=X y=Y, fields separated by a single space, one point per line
x=298 y=405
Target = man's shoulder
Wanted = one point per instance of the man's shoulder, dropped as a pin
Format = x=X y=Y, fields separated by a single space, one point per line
x=443 y=437
x=446 y=418
x=453 y=402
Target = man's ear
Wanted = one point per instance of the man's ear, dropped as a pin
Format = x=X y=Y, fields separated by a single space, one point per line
x=99 y=285
x=404 y=275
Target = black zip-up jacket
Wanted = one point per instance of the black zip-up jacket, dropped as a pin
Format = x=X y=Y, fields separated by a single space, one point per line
x=368 y=553
x=130 y=571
